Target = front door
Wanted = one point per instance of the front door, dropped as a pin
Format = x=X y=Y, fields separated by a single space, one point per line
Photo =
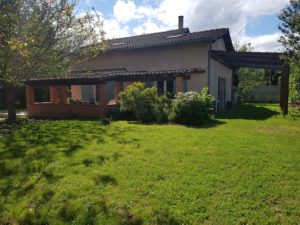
x=221 y=93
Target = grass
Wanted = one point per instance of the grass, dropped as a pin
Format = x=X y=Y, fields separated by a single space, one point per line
x=244 y=169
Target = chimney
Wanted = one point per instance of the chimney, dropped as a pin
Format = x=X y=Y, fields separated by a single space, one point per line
x=180 y=22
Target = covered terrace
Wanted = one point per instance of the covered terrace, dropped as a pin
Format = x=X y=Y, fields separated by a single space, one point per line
x=88 y=94
x=258 y=60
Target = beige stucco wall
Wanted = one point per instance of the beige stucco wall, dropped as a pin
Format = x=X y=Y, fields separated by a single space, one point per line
x=197 y=82
x=166 y=58
x=219 y=70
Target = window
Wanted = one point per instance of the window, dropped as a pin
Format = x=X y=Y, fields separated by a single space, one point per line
x=118 y=43
x=185 y=86
x=166 y=86
x=110 y=87
x=160 y=87
x=148 y=84
x=82 y=94
x=170 y=86
x=41 y=94
x=174 y=36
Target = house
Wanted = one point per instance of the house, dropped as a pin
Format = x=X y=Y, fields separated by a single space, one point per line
x=173 y=61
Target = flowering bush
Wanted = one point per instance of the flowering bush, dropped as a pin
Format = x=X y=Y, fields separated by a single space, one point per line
x=192 y=108
x=142 y=102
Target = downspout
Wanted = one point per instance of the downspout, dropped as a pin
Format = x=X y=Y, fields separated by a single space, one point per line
x=208 y=67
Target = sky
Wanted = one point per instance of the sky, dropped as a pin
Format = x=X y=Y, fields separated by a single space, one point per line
x=254 y=21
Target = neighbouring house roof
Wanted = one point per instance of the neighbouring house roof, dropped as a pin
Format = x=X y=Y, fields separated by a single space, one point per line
x=169 y=38
x=235 y=60
x=94 y=77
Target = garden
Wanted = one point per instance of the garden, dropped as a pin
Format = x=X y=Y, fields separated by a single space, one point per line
x=241 y=169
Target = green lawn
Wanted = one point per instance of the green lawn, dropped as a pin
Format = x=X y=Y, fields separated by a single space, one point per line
x=242 y=169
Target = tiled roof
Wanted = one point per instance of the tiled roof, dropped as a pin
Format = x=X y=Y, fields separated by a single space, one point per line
x=96 y=77
x=249 y=59
x=167 y=38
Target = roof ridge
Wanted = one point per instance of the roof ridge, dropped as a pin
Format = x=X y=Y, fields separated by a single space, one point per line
x=160 y=32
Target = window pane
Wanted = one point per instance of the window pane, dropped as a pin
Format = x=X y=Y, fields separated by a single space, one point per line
x=110 y=86
x=82 y=94
x=185 y=86
x=42 y=94
x=170 y=86
x=160 y=87
x=148 y=84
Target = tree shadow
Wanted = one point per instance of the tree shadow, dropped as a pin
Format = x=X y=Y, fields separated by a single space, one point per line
x=248 y=112
x=208 y=124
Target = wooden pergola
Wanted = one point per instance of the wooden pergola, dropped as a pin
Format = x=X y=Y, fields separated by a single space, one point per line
x=258 y=60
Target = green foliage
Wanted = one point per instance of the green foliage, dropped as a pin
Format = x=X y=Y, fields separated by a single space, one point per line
x=142 y=102
x=290 y=28
x=41 y=38
x=238 y=172
x=294 y=94
x=38 y=38
x=192 y=108
x=248 y=77
x=148 y=106
x=290 y=38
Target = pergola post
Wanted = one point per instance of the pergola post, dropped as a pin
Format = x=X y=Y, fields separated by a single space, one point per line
x=284 y=89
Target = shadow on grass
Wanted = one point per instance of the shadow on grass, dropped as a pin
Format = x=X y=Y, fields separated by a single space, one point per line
x=26 y=158
x=248 y=112
x=209 y=124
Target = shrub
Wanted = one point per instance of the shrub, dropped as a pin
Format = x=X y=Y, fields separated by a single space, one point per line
x=164 y=109
x=192 y=108
x=142 y=102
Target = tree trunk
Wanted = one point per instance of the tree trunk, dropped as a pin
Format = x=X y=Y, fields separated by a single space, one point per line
x=10 y=94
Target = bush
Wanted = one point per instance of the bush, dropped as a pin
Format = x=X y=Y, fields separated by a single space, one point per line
x=192 y=108
x=142 y=102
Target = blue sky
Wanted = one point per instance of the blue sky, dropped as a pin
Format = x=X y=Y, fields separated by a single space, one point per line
x=254 y=21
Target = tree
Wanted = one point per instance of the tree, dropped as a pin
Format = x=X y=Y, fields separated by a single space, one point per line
x=290 y=38
x=41 y=38
x=248 y=78
x=290 y=28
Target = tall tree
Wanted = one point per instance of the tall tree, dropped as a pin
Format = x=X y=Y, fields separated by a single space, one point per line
x=40 y=38
x=290 y=28
x=290 y=38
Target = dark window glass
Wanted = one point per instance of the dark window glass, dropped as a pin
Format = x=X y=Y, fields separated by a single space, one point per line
x=185 y=86
x=148 y=84
x=160 y=87
x=170 y=86
x=42 y=94
x=110 y=85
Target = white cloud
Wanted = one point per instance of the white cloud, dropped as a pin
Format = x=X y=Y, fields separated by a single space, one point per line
x=265 y=43
x=130 y=19
x=114 y=29
x=124 y=11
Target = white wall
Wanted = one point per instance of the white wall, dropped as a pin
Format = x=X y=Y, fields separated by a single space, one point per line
x=219 y=70
x=219 y=45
